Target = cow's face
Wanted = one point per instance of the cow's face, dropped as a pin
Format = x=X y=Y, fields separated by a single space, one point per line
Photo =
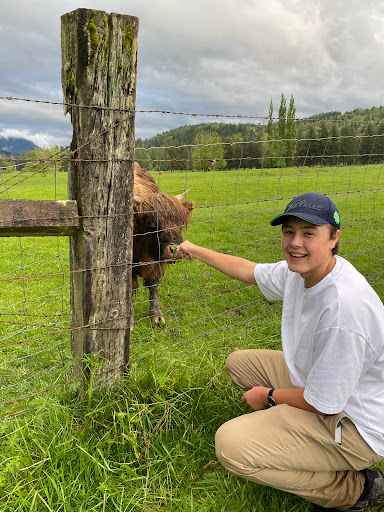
x=167 y=239
x=168 y=230
x=161 y=228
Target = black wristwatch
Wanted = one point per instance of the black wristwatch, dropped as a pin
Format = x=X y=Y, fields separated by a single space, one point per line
x=271 y=400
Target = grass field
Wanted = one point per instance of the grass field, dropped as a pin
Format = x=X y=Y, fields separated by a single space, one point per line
x=150 y=445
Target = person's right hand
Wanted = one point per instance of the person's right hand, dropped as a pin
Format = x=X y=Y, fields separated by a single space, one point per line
x=187 y=250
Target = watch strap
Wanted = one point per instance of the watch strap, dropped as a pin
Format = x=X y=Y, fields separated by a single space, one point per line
x=271 y=400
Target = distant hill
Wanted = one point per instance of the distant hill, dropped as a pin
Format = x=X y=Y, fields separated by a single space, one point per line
x=186 y=134
x=374 y=114
x=15 y=146
x=335 y=139
x=360 y=118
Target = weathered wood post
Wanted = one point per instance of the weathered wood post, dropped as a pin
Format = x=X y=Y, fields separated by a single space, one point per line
x=99 y=53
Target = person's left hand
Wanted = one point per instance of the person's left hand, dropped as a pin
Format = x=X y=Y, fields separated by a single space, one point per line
x=256 y=398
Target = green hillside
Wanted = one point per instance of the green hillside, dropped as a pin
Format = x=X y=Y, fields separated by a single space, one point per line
x=329 y=138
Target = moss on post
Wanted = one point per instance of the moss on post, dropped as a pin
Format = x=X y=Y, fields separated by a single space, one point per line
x=93 y=40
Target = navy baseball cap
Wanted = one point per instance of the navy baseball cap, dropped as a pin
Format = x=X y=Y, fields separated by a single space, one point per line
x=315 y=208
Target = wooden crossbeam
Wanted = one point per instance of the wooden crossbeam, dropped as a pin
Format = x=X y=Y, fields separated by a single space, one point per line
x=27 y=217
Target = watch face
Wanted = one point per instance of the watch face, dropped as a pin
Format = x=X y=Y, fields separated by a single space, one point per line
x=271 y=400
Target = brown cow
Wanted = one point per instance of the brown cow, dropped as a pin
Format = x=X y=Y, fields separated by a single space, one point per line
x=158 y=220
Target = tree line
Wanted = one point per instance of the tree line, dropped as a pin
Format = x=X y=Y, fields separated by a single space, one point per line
x=332 y=138
x=37 y=160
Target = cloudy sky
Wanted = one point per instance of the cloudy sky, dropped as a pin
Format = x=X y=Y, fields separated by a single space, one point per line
x=204 y=56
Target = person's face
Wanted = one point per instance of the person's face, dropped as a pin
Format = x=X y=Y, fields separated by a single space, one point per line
x=307 y=249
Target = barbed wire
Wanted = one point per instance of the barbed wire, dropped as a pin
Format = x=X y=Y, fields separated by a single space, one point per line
x=169 y=112
x=51 y=160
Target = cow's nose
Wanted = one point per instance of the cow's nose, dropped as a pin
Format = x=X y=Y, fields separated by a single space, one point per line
x=168 y=252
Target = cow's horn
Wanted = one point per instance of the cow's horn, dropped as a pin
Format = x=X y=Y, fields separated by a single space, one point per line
x=181 y=196
x=137 y=199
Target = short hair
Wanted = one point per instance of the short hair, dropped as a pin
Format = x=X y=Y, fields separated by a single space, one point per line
x=333 y=230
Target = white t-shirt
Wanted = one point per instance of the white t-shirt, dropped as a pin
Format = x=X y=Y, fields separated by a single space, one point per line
x=333 y=342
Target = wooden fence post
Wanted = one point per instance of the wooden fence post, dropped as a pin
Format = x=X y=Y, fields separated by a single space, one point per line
x=99 y=53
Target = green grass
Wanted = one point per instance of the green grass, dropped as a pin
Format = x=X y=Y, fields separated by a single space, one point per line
x=150 y=445
x=147 y=447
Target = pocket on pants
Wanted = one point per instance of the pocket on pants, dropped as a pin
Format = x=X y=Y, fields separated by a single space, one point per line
x=335 y=426
x=350 y=443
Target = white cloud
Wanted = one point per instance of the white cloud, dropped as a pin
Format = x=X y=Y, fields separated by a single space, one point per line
x=221 y=56
x=42 y=140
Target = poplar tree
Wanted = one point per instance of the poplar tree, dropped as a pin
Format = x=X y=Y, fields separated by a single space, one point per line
x=270 y=127
x=281 y=130
x=270 y=147
x=282 y=125
x=291 y=133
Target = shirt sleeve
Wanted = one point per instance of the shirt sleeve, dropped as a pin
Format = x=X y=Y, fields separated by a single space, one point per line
x=338 y=365
x=271 y=279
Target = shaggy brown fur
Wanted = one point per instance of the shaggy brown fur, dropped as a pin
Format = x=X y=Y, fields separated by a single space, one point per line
x=157 y=225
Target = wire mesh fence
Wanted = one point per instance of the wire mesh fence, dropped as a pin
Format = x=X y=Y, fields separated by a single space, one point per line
x=237 y=187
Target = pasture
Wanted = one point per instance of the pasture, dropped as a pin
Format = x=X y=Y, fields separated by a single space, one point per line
x=150 y=445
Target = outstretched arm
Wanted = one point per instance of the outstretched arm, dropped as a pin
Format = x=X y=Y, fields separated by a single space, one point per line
x=232 y=266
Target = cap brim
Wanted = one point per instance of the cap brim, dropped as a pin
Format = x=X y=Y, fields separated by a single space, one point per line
x=313 y=219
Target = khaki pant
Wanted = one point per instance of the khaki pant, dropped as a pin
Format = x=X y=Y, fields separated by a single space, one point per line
x=288 y=448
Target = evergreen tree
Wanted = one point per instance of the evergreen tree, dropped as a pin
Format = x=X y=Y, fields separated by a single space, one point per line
x=312 y=150
x=270 y=146
x=302 y=145
x=349 y=144
x=368 y=147
x=379 y=144
x=282 y=123
x=291 y=133
x=270 y=125
x=323 y=142
x=282 y=129
x=334 y=144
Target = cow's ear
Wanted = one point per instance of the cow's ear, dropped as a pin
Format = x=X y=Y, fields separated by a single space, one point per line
x=188 y=205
